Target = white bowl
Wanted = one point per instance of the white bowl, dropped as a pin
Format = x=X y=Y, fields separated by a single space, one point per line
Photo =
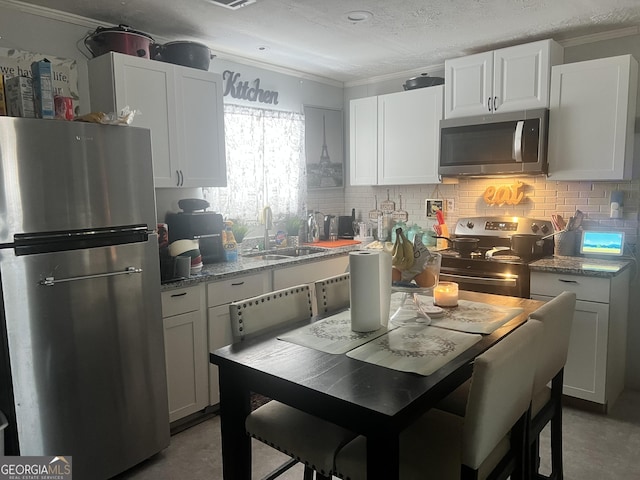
x=181 y=246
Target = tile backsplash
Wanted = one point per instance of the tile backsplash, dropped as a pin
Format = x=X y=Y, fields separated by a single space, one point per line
x=542 y=197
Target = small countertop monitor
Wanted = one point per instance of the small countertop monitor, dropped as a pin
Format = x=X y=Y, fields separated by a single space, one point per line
x=609 y=244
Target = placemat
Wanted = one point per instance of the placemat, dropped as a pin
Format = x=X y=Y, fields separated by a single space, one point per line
x=419 y=350
x=331 y=335
x=473 y=317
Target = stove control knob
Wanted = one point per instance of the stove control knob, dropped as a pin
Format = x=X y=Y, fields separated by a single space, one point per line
x=470 y=225
x=545 y=229
x=534 y=227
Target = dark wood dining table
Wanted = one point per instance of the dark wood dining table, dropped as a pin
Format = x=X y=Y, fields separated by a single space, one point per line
x=369 y=399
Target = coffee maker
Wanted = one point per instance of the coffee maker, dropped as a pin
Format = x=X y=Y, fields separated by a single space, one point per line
x=198 y=225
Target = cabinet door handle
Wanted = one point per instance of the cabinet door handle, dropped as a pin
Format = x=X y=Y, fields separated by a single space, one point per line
x=495 y=103
x=567 y=281
x=489 y=104
x=181 y=179
x=178 y=175
x=237 y=284
x=178 y=294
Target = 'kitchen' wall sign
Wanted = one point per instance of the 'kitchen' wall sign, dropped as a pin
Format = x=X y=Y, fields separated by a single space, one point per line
x=245 y=91
x=504 y=194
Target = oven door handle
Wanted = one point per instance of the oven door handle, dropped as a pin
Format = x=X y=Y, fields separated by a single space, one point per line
x=499 y=282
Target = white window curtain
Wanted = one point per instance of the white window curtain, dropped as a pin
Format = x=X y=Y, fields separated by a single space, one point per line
x=265 y=164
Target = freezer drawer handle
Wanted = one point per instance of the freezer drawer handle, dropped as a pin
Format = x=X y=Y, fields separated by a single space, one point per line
x=51 y=281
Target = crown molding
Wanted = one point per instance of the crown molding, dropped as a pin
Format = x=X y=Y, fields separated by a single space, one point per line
x=570 y=42
x=233 y=57
x=51 y=13
x=599 y=37
x=404 y=75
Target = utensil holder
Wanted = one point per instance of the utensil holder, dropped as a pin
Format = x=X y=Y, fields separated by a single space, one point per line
x=565 y=243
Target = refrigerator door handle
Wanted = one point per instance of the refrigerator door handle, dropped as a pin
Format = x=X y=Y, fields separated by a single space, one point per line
x=51 y=281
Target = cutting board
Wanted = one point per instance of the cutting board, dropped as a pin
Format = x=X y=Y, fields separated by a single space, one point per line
x=335 y=244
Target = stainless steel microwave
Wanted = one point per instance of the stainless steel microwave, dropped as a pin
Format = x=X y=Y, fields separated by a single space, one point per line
x=499 y=144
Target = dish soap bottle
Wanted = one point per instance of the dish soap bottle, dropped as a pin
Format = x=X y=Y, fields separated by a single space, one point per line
x=229 y=244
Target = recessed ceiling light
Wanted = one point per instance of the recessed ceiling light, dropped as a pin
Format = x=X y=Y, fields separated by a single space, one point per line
x=359 y=16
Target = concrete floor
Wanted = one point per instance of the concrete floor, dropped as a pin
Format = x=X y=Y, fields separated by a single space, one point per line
x=596 y=447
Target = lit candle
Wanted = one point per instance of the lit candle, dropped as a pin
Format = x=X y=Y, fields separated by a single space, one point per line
x=446 y=294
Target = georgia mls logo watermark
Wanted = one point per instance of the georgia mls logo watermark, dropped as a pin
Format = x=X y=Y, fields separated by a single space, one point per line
x=35 y=468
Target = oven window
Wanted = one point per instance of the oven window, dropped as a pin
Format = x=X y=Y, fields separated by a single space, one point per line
x=514 y=284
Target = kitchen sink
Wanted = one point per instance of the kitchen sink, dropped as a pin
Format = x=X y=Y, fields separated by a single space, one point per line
x=282 y=253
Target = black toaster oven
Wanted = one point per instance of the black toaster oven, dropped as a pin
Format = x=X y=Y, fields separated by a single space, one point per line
x=203 y=226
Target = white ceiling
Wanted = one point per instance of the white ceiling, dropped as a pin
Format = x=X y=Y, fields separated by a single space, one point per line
x=315 y=37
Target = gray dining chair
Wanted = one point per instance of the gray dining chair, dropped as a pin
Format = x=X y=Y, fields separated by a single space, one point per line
x=332 y=293
x=546 y=405
x=488 y=440
x=303 y=437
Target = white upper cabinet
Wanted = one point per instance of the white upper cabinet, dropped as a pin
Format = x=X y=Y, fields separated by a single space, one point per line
x=409 y=136
x=506 y=80
x=592 y=119
x=395 y=138
x=363 y=141
x=182 y=106
x=200 y=125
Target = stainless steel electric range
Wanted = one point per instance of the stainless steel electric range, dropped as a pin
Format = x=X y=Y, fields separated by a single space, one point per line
x=493 y=267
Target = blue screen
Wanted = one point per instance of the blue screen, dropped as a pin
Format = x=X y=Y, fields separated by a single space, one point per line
x=602 y=243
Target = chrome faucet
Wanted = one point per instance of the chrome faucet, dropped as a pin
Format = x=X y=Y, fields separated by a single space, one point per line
x=267 y=219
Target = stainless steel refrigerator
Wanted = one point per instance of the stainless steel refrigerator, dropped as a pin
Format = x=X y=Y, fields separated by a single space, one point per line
x=82 y=369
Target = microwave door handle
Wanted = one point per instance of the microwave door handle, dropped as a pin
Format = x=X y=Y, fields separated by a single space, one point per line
x=517 y=142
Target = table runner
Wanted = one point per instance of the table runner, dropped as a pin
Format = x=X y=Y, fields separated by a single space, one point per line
x=473 y=317
x=331 y=335
x=421 y=350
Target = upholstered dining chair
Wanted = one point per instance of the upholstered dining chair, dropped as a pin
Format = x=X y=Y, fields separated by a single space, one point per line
x=556 y=316
x=280 y=307
x=303 y=437
x=546 y=406
x=332 y=293
x=489 y=441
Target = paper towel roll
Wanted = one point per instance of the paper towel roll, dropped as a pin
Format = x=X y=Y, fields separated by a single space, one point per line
x=370 y=289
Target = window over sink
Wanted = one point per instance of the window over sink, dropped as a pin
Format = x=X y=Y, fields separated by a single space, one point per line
x=265 y=164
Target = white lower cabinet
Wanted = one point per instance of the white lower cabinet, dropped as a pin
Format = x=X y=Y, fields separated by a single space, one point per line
x=186 y=356
x=219 y=295
x=595 y=367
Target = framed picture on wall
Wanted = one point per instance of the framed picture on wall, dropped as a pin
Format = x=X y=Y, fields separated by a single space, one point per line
x=324 y=147
x=432 y=206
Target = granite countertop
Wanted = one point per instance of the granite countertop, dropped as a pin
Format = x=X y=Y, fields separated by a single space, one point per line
x=587 y=266
x=244 y=265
